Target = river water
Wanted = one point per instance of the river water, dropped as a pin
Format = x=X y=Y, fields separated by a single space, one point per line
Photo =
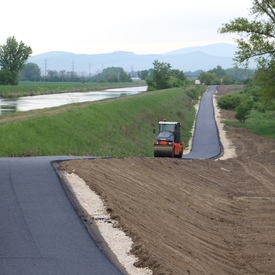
x=27 y=103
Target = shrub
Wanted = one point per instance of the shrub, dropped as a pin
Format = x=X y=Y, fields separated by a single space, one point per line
x=150 y=84
x=192 y=92
x=8 y=77
x=260 y=107
x=174 y=82
x=229 y=102
x=243 y=111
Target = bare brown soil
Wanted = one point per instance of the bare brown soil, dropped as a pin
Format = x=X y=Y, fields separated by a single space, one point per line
x=194 y=216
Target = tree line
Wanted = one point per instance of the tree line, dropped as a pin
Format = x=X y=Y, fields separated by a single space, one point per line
x=220 y=76
x=32 y=72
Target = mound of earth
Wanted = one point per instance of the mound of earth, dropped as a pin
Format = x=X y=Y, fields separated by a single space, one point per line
x=194 y=216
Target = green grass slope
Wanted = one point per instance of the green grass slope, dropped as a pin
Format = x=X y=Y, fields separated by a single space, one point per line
x=120 y=127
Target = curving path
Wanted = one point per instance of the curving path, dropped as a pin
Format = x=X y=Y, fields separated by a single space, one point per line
x=206 y=141
x=40 y=231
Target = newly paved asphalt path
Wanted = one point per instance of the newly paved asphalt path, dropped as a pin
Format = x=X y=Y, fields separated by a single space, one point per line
x=206 y=142
x=40 y=231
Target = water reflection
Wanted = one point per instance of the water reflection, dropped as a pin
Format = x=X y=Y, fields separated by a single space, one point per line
x=7 y=106
x=46 y=101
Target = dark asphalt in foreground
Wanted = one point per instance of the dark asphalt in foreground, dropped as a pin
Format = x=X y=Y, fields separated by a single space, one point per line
x=206 y=141
x=40 y=231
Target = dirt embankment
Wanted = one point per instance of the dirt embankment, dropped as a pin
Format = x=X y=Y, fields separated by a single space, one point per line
x=194 y=216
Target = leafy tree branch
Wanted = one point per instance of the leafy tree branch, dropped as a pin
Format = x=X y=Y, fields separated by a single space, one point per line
x=257 y=42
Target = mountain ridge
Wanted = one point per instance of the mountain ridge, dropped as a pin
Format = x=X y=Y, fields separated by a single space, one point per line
x=185 y=59
x=217 y=49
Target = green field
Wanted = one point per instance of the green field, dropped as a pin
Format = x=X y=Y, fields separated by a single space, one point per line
x=261 y=120
x=37 y=88
x=121 y=127
x=259 y=123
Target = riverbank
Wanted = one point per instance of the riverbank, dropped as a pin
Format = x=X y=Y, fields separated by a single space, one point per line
x=97 y=128
x=41 y=88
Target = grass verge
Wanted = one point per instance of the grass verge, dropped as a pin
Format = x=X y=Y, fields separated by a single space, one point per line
x=120 y=127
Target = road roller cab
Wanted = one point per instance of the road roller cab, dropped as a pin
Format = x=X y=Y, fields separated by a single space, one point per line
x=168 y=143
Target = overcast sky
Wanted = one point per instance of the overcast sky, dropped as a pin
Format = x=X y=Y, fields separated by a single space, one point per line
x=105 y=26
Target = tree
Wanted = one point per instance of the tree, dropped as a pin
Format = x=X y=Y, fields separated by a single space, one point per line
x=114 y=74
x=124 y=77
x=176 y=78
x=52 y=76
x=240 y=75
x=164 y=77
x=30 y=72
x=143 y=74
x=13 y=56
x=178 y=74
x=161 y=73
x=207 y=78
x=219 y=72
x=227 y=80
x=193 y=75
x=265 y=78
x=257 y=38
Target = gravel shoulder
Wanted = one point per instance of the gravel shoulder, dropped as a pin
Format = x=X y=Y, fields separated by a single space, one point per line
x=192 y=216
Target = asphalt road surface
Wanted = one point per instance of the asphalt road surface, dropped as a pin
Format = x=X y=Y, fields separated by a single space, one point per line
x=40 y=231
x=206 y=142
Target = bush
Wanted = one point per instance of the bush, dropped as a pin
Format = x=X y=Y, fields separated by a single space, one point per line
x=227 y=80
x=150 y=89
x=174 y=82
x=195 y=91
x=260 y=107
x=8 y=77
x=229 y=102
x=150 y=84
x=243 y=111
x=272 y=105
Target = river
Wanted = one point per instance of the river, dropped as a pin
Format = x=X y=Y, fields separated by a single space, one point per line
x=27 y=103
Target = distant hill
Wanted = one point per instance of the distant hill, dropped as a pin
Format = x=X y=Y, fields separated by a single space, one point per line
x=219 y=49
x=186 y=59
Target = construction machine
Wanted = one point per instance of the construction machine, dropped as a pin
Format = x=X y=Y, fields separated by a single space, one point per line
x=168 y=143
